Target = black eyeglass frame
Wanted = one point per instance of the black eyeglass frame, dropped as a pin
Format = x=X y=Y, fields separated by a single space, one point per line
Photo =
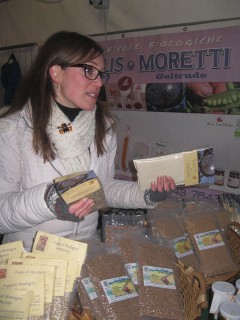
x=103 y=74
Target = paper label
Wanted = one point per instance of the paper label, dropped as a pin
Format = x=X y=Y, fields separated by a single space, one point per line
x=9 y=271
x=80 y=191
x=12 y=249
x=28 y=283
x=60 y=275
x=132 y=272
x=190 y=161
x=15 y=304
x=55 y=246
x=88 y=285
x=158 y=277
x=74 y=266
x=118 y=289
x=77 y=186
x=208 y=240
x=183 y=247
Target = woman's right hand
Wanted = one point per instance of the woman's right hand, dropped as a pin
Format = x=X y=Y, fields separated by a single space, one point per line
x=63 y=211
x=81 y=208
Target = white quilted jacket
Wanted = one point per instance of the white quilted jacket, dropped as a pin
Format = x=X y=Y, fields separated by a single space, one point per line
x=24 y=177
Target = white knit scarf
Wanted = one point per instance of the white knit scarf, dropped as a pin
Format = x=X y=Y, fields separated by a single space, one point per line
x=72 y=146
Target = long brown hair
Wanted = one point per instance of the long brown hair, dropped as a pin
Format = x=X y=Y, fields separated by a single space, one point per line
x=36 y=88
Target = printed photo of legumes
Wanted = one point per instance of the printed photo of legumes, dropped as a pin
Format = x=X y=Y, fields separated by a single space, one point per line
x=213 y=97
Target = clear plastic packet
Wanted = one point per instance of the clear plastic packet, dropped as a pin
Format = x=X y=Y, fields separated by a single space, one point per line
x=75 y=310
x=168 y=225
x=231 y=203
x=208 y=239
x=222 y=215
x=88 y=296
x=127 y=245
x=116 y=220
x=112 y=282
x=159 y=291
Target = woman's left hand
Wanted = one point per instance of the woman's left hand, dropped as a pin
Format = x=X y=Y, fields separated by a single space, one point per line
x=159 y=190
x=163 y=183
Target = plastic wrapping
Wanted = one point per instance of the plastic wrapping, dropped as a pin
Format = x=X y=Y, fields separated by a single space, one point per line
x=186 y=168
x=110 y=278
x=222 y=215
x=208 y=238
x=159 y=293
x=89 y=297
x=166 y=223
x=116 y=220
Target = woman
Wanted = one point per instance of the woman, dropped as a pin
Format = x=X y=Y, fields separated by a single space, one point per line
x=54 y=128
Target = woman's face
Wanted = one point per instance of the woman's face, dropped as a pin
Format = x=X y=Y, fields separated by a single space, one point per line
x=75 y=90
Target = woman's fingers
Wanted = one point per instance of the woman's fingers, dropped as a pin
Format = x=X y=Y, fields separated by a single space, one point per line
x=172 y=183
x=164 y=183
x=82 y=207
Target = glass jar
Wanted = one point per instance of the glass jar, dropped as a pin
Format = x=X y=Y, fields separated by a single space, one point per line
x=233 y=179
x=219 y=177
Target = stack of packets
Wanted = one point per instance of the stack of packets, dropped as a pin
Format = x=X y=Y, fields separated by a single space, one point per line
x=135 y=278
x=231 y=202
x=39 y=285
x=74 y=187
x=186 y=168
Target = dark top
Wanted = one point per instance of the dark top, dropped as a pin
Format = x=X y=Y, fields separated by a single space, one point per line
x=71 y=113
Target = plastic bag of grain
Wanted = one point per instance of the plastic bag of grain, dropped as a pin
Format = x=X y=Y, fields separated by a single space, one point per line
x=208 y=239
x=167 y=224
x=159 y=292
x=88 y=296
x=112 y=282
x=223 y=216
x=117 y=220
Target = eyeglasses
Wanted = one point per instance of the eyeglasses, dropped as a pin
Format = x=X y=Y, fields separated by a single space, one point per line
x=90 y=72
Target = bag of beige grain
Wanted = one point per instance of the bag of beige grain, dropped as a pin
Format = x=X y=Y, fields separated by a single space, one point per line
x=208 y=240
x=159 y=292
x=112 y=282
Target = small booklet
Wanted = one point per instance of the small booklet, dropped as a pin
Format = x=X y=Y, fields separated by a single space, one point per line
x=187 y=168
x=74 y=187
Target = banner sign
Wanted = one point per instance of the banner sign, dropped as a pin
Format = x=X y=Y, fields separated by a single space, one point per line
x=193 y=72
x=195 y=56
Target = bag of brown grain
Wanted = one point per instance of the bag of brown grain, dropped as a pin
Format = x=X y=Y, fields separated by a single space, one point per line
x=113 y=284
x=88 y=296
x=209 y=240
x=159 y=292
x=120 y=220
x=167 y=224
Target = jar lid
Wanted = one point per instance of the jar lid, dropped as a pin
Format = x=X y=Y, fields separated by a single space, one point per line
x=234 y=172
x=230 y=311
x=223 y=287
